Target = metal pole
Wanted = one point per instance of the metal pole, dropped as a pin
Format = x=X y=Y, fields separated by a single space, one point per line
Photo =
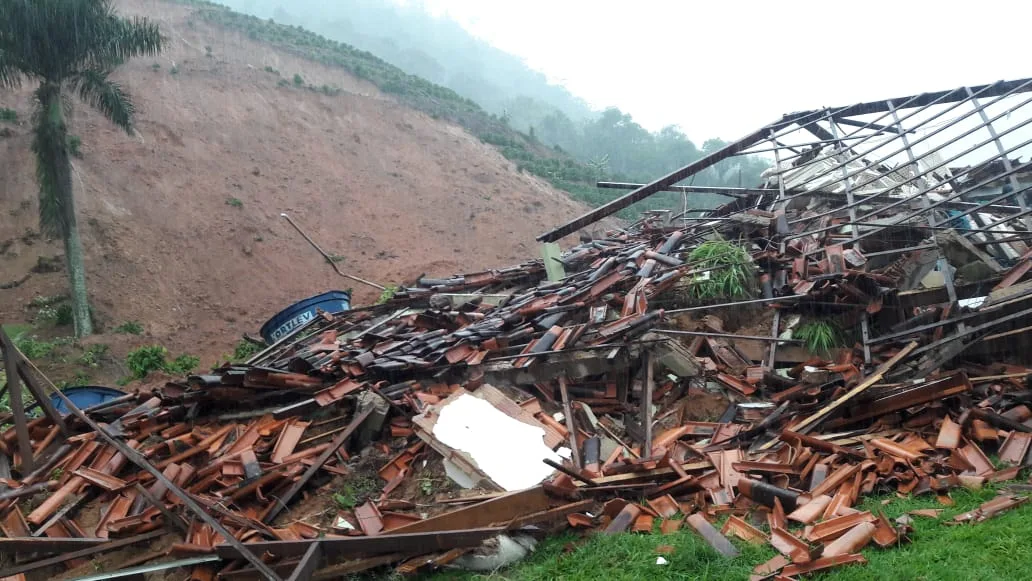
x=327 y=256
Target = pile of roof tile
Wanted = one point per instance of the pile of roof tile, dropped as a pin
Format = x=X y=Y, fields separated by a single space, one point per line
x=563 y=396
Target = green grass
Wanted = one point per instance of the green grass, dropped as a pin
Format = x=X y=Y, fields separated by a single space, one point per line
x=235 y=202
x=998 y=548
x=820 y=336
x=730 y=276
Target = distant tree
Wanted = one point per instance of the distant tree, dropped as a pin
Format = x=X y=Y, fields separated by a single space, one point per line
x=69 y=47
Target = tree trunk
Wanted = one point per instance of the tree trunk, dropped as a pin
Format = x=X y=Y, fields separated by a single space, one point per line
x=62 y=173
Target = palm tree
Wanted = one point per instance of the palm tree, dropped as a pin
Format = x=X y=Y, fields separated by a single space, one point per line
x=69 y=47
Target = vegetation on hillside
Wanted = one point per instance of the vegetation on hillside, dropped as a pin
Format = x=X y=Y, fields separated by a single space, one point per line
x=570 y=155
x=69 y=47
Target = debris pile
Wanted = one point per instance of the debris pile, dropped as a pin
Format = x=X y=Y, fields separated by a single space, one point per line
x=559 y=392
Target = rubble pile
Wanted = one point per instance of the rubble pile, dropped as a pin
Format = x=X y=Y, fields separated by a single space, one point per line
x=560 y=394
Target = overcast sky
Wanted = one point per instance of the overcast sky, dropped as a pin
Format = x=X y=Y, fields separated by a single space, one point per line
x=723 y=68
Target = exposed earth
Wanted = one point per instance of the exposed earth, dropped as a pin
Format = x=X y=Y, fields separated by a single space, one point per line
x=181 y=222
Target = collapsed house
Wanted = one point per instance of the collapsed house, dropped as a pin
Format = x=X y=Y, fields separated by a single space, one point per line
x=558 y=392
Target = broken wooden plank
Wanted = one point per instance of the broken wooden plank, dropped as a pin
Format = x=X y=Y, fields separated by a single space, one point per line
x=870 y=380
x=338 y=441
x=427 y=542
x=87 y=552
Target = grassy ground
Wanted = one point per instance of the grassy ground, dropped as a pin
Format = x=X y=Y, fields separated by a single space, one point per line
x=999 y=548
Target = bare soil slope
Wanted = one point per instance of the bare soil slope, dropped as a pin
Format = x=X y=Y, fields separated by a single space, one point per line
x=392 y=191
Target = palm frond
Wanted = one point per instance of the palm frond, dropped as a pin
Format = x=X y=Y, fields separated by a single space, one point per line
x=97 y=90
x=10 y=77
x=49 y=145
x=123 y=39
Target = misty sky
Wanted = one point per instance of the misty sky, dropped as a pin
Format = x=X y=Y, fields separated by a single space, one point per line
x=721 y=69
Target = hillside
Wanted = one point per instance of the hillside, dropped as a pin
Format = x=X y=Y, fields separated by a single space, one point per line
x=181 y=223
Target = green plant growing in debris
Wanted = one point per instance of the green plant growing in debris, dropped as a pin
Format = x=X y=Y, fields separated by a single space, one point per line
x=9 y=115
x=235 y=202
x=730 y=272
x=244 y=350
x=298 y=80
x=356 y=491
x=426 y=485
x=130 y=328
x=387 y=294
x=820 y=336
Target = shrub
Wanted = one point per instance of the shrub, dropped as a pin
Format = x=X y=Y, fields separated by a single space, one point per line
x=298 y=80
x=730 y=274
x=64 y=316
x=32 y=347
x=269 y=69
x=144 y=360
x=92 y=355
x=75 y=145
x=387 y=294
x=174 y=70
x=244 y=350
x=130 y=328
x=9 y=115
x=183 y=364
x=155 y=67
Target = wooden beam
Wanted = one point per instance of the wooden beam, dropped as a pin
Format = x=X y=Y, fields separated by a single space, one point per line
x=352 y=546
x=646 y=403
x=188 y=500
x=870 y=380
x=14 y=396
x=571 y=424
x=309 y=563
x=87 y=552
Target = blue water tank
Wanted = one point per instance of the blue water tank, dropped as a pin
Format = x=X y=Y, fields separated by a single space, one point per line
x=296 y=315
x=84 y=396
